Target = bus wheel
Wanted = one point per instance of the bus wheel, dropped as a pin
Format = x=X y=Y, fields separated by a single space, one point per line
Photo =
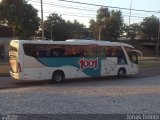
x=58 y=76
x=121 y=73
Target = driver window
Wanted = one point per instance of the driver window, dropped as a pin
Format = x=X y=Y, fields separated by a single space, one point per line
x=134 y=58
x=132 y=55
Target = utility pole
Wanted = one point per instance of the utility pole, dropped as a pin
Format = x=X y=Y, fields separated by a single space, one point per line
x=42 y=24
x=101 y=27
x=157 y=45
x=130 y=13
x=13 y=29
x=130 y=18
x=99 y=33
x=51 y=30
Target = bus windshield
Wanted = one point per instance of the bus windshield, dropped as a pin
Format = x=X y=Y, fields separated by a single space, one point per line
x=132 y=55
x=13 y=55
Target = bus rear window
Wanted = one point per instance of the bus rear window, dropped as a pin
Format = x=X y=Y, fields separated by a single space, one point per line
x=13 y=46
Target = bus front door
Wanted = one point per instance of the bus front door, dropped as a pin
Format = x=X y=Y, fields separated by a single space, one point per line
x=108 y=66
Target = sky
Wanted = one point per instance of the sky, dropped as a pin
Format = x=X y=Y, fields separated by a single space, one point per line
x=83 y=13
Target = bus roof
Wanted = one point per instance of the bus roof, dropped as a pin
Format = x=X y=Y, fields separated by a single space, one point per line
x=100 y=43
x=76 y=42
x=49 y=42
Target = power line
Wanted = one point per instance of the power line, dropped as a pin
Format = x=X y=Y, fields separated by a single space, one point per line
x=138 y=10
x=108 y=6
x=91 y=10
x=83 y=15
x=56 y=5
x=51 y=3
x=87 y=15
x=133 y=16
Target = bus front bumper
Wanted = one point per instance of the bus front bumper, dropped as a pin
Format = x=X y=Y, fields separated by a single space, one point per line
x=15 y=75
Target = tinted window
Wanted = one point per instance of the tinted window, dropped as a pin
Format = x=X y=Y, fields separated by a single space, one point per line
x=38 y=50
x=80 y=51
x=101 y=51
x=132 y=55
x=112 y=51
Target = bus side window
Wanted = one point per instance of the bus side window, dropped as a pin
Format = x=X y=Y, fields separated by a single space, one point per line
x=121 y=57
x=101 y=51
x=108 y=52
x=116 y=52
x=37 y=54
x=48 y=53
x=53 y=53
x=57 y=52
x=81 y=54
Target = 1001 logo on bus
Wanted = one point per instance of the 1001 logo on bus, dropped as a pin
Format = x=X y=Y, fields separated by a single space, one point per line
x=86 y=63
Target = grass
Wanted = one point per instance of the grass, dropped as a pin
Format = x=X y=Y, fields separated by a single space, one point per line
x=149 y=63
x=144 y=63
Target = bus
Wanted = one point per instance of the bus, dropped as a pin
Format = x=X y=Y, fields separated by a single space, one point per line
x=59 y=60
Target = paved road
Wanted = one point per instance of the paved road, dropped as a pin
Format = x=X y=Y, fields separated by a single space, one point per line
x=8 y=82
x=137 y=94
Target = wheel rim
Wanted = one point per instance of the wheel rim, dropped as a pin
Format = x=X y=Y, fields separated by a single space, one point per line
x=121 y=73
x=58 y=76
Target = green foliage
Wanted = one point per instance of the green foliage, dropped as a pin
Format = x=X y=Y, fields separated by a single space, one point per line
x=150 y=26
x=76 y=30
x=62 y=30
x=20 y=15
x=10 y=11
x=93 y=28
x=146 y=30
x=24 y=18
x=30 y=22
x=57 y=24
x=109 y=22
x=133 y=31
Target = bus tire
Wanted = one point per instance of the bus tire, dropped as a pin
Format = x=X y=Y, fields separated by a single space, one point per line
x=58 y=76
x=121 y=73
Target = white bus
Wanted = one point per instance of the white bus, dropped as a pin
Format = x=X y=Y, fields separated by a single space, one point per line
x=59 y=60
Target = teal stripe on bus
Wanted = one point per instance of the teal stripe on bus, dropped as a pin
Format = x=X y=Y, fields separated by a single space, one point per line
x=91 y=66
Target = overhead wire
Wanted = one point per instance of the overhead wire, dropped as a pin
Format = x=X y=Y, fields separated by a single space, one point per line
x=53 y=3
x=108 y=6
x=65 y=6
x=97 y=5
x=135 y=12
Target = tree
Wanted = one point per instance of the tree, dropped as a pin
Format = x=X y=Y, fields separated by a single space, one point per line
x=56 y=26
x=109 y=22
x=21 y=16
x=150 y=26
x=76 y=30
x=30 y=23
x=133 y=31
x=93 y=28
x=62 y=30
x=11 y=12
